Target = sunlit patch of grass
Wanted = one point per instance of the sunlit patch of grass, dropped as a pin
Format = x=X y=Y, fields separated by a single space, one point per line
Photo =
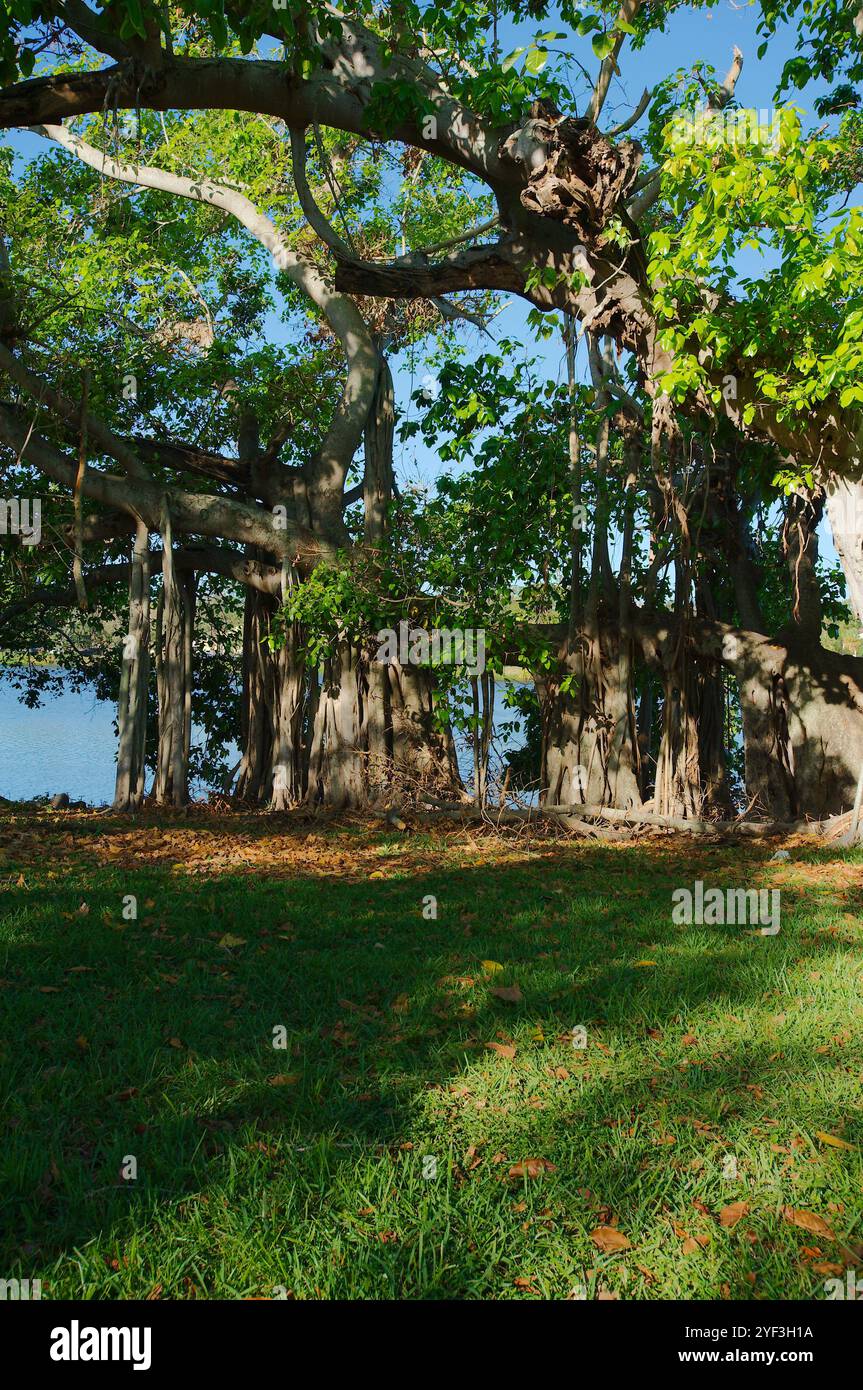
x=371 y=1157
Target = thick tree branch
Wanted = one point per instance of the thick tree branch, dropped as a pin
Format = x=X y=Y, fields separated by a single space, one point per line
x=266 y=579
x=326 y=471
x=70 y=413
x=191 y=513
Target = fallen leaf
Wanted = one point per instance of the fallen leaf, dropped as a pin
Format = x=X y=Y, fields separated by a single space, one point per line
x=229 y=940
x=808 y=1221
x=502 y=1049
x=610 y=1240
x=734 y=1212
x=834 y=1141
x=283 y=1078
x=531 y=1168
x=511 y=994
x=491 y=967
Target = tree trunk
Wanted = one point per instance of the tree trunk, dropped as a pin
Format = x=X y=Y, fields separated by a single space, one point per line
x=255 y=775
x=825 y=728
x=845 y=511
x=423 y=753
x=678 y=789
x=716 y=794
x=134 y=682
x=273 y=767
x=337 y=773
x=175 y=614
x=289 y=771
x=768 y=756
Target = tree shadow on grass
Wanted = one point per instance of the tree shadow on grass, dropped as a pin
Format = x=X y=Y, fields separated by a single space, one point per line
x=153 y=1039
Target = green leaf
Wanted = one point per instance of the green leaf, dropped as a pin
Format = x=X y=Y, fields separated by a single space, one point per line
x=512 y=58
x=536 y=60
x=133 y=21
x=602 y=45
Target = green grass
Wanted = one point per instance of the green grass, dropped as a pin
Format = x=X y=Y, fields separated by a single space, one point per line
x=158 y=1044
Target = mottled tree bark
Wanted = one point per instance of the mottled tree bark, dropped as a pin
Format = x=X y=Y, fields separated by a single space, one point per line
x=134 y=682
x=174 y=642
x=273 y=766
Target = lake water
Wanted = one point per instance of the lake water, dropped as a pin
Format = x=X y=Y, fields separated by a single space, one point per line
x=69 y=745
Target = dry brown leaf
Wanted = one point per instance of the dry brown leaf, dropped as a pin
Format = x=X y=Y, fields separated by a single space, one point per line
x=531 y=1168
x=511 y=994
x=609 y=1240
x=283 y=1078
x=502 y=1049
x=734 y=1212
x=808 y=1221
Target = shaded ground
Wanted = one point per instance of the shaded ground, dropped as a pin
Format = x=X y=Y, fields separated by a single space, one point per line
x=372 y=1157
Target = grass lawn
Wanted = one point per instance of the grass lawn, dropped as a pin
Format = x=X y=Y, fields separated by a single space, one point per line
x=707 y=1143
